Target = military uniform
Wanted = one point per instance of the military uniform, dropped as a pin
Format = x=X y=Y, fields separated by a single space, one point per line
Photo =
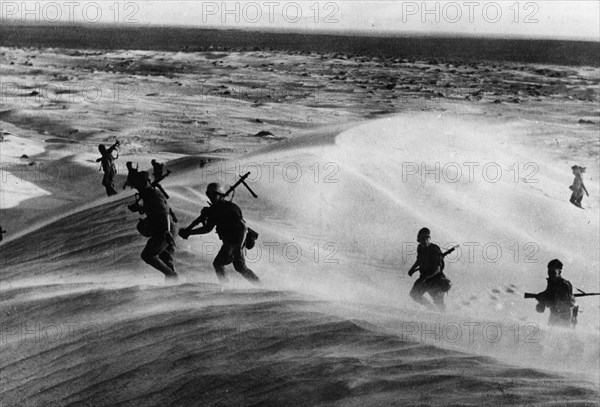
x=232 y=230
x=558 y=296
x=158 y=226
x=429 y=261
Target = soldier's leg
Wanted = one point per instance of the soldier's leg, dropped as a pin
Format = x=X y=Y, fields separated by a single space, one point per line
x=150 y=254
x=573 y=197
x=417 y=291
x=110 y=187
x=239 y=263
x=438 y=299
x=579 y=198
x=167 y=255
x=108 y=184
x=224 y=257
x=563 y=319
x=576 y=198
x=435 y=289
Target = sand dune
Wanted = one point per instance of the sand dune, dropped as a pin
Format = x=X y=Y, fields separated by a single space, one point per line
x=87 y=322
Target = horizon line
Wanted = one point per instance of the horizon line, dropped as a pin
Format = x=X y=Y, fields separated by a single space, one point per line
x=319 y=31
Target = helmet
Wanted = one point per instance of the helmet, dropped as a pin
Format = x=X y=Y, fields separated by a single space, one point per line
x=215 y=188
x=102 y=148
x=555 y=264
x=138 y=178
x=424 y=232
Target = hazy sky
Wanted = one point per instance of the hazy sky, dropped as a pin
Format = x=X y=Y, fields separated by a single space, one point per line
x=554 y=19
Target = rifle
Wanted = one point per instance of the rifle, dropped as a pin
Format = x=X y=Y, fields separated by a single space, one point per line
x=450 y=251
x=447 y=252
x=242 y=181
x=203 y=213
x=576 y=311
x=579 y=294
x=156 y=184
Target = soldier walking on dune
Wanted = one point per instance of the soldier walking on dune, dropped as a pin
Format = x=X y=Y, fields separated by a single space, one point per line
x=107 y=162
x=158 y=224
x=232 y=231
x=432 y=279
x=558 y=296
x=578 y=187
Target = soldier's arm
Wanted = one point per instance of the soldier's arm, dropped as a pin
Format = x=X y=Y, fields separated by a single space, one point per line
x=112 y=148
x=202 y=230
x=417 y=264
x=544 y=299
x=207 y=221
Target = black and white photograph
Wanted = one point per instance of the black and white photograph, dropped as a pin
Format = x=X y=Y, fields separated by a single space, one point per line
x=360 y=203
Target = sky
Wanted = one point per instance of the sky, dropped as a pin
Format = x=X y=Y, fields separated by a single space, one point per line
x=571 y=19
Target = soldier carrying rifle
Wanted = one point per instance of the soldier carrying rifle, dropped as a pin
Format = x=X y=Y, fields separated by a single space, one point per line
x=158 y=225
x=559 y=297
x=430 y=264
x=158 y=170
x=231 y=228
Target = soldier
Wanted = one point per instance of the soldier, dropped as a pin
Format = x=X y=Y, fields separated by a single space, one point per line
x=130 y=173
x=232 y=231
x=578 y=187
x=432 y=280
x=558 y=296
x=157 y=169
x=158 y=225
x=108 y=166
